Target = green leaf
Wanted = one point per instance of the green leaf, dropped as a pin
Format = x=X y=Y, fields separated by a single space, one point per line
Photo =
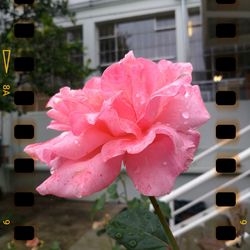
x=112 y=191
x=165 y=209
x=100 y=202
x=98 y=205
x=138 y=229
x=135 y=203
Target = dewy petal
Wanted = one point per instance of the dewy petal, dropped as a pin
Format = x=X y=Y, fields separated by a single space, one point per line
x=170 y=72
x=154 y=170
x=68 y=145
x=74 y=179
x=43 y=151
x=173 y=77
x=185 y=110
x=144 y=111
x=67 y=103
x=75 y=147
x=133 y=145
x=58 y=126
x=156 y=104
x=117 y=125
x=138 y=78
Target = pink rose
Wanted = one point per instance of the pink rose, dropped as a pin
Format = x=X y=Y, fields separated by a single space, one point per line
x=143 y=113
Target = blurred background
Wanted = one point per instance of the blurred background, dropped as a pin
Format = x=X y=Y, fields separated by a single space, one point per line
x=80 y=39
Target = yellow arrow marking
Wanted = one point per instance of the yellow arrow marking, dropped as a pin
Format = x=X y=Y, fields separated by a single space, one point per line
x=6 y=55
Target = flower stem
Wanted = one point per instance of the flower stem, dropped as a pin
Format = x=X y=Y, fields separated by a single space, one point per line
x=164 y=223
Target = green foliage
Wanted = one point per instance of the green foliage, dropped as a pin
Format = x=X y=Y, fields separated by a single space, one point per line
x=112 y=191
x=165 y=209
x=135 y=227
x=98 y=205
x=137 y=203
x=54 y=67
x=138 y=229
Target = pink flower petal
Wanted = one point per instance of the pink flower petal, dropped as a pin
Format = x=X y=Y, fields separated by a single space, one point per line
x=119 y=126
x=63 y=144
x=74 y=179
x=187 y=109
x=43 y=151
x=138 y=78
x=83 y=144
x=145 y=111
x=58 y=126
x=170 y=72
x=133 y=145
x=154 y=170
x=93 y=83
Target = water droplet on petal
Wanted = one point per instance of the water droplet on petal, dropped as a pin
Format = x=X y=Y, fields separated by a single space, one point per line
x=185 y=115
x=164 y=163
x=186 y=95
x=77 y=142
x=132 y=243
x=118 y=235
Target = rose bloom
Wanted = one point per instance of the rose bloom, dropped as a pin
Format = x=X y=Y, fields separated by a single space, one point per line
x=143 y=113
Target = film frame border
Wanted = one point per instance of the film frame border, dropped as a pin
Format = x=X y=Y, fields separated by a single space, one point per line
x=24 y=30
x=232 y=64
x=226 y=99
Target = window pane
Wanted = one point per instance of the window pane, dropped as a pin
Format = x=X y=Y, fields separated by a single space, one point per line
x=141 y=37
x=106 y=30
x=75 y=35
x=196 y=49
x=167 y=21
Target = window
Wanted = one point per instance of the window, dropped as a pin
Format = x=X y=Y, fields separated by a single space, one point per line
x=165 y=22
x=74 y=35
x=152 y=38
x=201 y=65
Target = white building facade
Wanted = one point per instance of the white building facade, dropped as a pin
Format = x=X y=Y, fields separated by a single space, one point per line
x=153 y=29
